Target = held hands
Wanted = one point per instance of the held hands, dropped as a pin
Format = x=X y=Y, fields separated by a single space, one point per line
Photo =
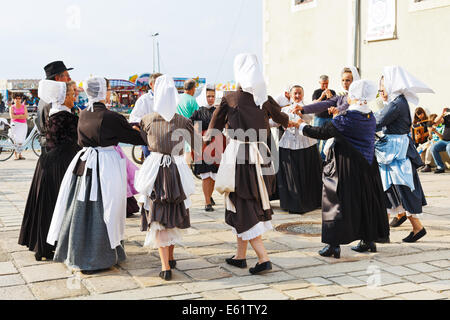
x=334 y=111
x=298 y=110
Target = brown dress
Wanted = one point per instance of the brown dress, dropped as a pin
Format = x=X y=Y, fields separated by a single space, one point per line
x=239 y=111
x=167 y=200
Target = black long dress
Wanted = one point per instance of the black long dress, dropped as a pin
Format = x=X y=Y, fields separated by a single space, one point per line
x=61 y=137
x=353 y=206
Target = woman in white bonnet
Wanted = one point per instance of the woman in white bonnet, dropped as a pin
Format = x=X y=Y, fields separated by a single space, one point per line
x=353 y=205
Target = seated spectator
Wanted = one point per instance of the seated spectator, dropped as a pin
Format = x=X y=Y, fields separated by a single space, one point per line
x=425 y=148
x=444 y=143
x=420 y=126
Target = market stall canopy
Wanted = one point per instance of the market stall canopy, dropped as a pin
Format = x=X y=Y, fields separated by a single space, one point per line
x=122 y=85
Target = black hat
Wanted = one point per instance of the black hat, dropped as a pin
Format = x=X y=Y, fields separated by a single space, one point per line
x=55 y=68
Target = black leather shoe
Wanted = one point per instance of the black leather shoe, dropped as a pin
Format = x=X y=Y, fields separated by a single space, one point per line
x=37 y=256
x=89 y=272
x=172 y=263
x=261 y=268
x=396 y=222
x=427 y=168
x=209 y=208
x=212 y=202
x=329 y=251
x=237 y=263
x=166 y=275
x=365 y=246
x=413 y=238
x=439 y=171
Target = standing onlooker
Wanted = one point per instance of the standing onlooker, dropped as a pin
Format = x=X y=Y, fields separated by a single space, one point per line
x=187 y=105
x=284 y=99
x=2 y=104
x=444 y=144
x=56 y=71
x=19 y=115
x=323 y=117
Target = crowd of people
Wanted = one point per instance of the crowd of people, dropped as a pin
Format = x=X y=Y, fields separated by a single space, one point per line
x=359 y=166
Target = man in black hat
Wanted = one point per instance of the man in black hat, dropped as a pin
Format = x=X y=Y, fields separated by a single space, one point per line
x=56 y=71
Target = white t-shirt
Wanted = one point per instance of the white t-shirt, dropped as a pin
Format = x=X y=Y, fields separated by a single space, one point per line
x=144 y=105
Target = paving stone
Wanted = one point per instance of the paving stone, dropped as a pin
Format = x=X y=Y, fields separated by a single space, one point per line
x=422 y=295
x=438 y=286
x=193 y=264
x=221 y=295
x=4 y=256
x=420 y=278
x=150 y=277
x=400 y=270
x=187 y=297
x=11 y=280
x=265 y=294
x=318 y=281
x=16 y=293
x=59 y=289
x=415 y=258
x=442 y=275
x=371 y=293
x=251 y=288
x=296 y=242
x=208 y=274
x=399 y=288
x=140 y=294
x=293 y=259
x=423 y=267
x=301 y=294
x=333 y=269
x=213 y=250
x=45 y=272
x=145 y=261
x=7 y=268
x=291 y=285
x=348 y=282
x=199 y=241
x=111 y=271
x=106 y=284
x=331 y=290
x=234 y=282
x=224 y=236
x=350 y=296
x=26 y=258
x=440 y=263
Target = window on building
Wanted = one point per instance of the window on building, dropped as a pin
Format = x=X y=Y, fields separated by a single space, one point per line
x=298 y=5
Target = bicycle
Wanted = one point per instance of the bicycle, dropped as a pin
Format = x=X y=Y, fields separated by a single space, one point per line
x=8 y=146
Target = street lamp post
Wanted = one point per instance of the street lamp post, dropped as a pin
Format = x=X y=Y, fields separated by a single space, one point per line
x=154 y=54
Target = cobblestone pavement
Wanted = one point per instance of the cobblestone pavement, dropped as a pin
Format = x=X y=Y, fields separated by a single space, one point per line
x=397 y=271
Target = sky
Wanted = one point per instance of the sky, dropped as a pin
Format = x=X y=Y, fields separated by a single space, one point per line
x=112 y=38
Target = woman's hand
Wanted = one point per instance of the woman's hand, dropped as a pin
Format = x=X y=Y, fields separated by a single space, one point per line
x=334 y=111
x=137 y=128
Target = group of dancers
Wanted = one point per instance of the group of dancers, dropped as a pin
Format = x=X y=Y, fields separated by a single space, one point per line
x=77 y=204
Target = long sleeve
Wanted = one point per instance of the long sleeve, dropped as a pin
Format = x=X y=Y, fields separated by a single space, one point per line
x=326 y=132
x=123 y=131
x=387 y=115
x=220 y=116
x=321 y=106
x=274 y=112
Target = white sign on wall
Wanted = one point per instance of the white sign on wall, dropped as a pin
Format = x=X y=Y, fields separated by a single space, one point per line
x=382 y=20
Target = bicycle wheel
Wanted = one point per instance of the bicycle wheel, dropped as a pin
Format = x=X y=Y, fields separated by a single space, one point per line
x=137 y=154
x=36 y=145
x=6 y=147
